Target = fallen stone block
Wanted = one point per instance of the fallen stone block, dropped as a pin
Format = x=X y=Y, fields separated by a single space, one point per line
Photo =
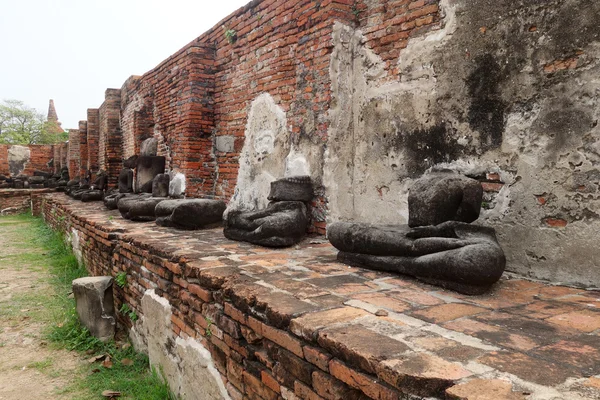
x=95 y=307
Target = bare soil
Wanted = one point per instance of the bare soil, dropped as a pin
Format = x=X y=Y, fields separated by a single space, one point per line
x=29 y=368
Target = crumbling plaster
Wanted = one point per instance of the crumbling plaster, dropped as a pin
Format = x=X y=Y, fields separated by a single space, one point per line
x=503 y=86
x=184 y=363
x=270 y=153
x=18 y=157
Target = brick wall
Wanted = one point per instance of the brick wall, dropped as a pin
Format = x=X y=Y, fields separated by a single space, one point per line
x=93 y=131
x=83 y=148
x=205 y=89
x=73 y=155
x=389 y=25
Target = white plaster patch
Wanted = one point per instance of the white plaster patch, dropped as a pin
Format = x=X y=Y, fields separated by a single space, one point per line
x=296 y=164
x=198 y=368
x=176 y=184
x=74 y=239
x=184 y=363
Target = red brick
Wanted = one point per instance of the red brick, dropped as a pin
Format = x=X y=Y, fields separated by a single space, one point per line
x=316 y=357
x=484 y=389
x=283 y=339
x=365 y=383
x=304 y=392
x=203 y=294
x=270 y=382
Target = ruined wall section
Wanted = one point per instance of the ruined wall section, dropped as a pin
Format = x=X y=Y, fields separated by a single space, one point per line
x=280 y=49
x=504 y=92
x=24 y=160
x=40 y=158
x=132 y=106
x=110 y=154
x=174 y=103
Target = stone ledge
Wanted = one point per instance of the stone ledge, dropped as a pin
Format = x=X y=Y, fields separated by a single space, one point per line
x=296 y=321
x=20 y=192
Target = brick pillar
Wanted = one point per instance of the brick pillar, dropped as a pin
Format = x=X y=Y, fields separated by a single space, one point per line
x=93 y=135
x=110 y=152
x=4 y=168
x=83 y=148
x=64 y=150
x=56 y=148
x=73 y=153
x=192 y=149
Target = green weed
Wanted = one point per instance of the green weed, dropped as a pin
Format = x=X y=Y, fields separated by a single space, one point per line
x=121 y=279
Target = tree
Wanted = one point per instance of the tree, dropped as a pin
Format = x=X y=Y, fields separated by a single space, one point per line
x=21 y=124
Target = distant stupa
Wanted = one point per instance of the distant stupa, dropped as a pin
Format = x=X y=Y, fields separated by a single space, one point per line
x=53 y=125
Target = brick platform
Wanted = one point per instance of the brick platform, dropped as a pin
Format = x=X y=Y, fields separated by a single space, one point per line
x=15 y=201
x=295 y=323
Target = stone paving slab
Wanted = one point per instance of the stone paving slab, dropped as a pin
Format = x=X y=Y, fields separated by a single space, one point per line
x=523 y=340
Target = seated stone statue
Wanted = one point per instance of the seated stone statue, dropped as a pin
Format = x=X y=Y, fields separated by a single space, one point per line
x=438 y=246
x=125 y=184
x=62 y=182
x=147 y=169
x=112 y=198
x=283 y=223
x=126 y=180
x=189 y=213
x=96 y=190
x=138 y=207
x=160 y=185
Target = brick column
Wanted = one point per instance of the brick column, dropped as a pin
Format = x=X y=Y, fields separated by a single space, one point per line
x=56 y=149
x=4 y=168
x=110 y=147
x=73 y=153
x=192 y=147
x=64 y=151
x=93 y=135
x=83 y=148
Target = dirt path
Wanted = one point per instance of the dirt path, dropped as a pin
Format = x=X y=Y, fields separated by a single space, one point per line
x=29 y=368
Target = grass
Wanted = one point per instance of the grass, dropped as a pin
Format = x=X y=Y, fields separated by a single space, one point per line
x=128 y=371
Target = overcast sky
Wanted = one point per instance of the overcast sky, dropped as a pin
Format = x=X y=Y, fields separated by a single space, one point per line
x=72 y=50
